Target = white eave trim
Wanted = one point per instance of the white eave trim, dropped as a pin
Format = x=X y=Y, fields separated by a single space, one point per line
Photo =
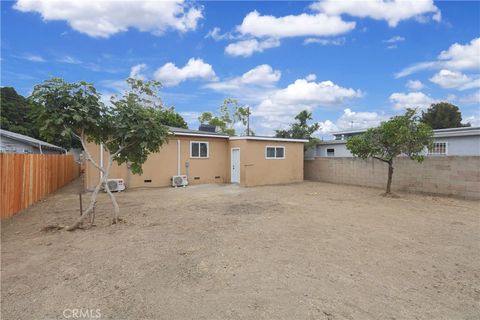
x=199 y=135
x=447 y=134
x=269 y=139
x=327 y=142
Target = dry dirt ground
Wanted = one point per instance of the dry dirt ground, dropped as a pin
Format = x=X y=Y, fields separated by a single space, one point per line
x=302 y=251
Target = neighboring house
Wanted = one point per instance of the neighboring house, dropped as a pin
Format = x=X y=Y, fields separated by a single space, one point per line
x=447 y=142
x=209 y=157
x=11 y=142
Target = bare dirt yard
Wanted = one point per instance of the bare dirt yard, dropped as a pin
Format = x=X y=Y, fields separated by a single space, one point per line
x=302 y=251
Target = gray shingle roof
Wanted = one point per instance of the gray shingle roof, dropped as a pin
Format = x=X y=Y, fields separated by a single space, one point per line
x=191 y=131
x=29 y=140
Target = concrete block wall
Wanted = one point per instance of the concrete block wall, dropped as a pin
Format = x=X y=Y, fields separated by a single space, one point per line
x=452 y=176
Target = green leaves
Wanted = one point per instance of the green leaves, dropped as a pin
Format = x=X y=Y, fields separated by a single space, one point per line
x=401 y=135
x=17 y=113
x=131 y=128
x=134 y=126
x=443 y=115
x=300 y=129
x=231 y=112
x=170 y=117
x=64 y=108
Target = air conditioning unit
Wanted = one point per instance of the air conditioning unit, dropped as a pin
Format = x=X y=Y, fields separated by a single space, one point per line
x=179 y=181
x=116 y=185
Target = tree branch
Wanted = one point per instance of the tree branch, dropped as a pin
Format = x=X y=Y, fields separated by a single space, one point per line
x=383 y=160
x=89 y=156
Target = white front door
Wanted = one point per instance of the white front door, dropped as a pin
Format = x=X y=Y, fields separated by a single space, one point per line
x=235 y=166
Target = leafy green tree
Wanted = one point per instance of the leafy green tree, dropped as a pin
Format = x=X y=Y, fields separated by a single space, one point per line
x=19 y=115
x=231 y=112
x=401 y=135
x=301 y=130
x=16 y=115
x=169 y=117
x=129 y=130
x=443 y=115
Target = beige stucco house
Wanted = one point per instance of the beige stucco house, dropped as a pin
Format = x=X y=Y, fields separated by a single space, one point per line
x=209 y=157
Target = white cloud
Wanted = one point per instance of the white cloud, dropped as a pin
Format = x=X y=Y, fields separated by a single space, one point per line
x=327 y=127
x=105 y=18
x=266 y=26
x=262 y=75
x=451 y=98
x=260 y=32
x=325 y=42
x=462 y=57
x=415 y=68
x=250 y=87
x=246 y=48
x=170 y=75
x=471 y=99
x=34 y=58
x=473 y=119
x=352 y=120
x=395 y=39
x=191 y=117
x=69 y=60
x=359 y=120
x=414 y=85
x=216 y=35
x=457 y=57
x=411 y=100
x=136 y=71
x=311 y=77
x=391 y=11
x=454 y=79
x=280 y=106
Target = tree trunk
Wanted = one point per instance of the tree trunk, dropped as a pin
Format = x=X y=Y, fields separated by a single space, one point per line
x=390 y=175
x=93 y=201
x=103 y=181
x=116 y=209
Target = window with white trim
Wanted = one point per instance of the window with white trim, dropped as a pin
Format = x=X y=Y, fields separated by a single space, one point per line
x=273 y=152
x=198 y=149
x=438 y=148
x=330 y=152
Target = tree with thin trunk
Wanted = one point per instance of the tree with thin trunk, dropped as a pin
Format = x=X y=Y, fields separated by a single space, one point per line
x=231 y=113
x=402 y=135
x=301 y=130
x=130 y=129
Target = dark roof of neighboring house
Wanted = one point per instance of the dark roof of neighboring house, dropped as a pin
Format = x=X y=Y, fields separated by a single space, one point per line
x=29 y=140
x=187 y=132
x=190 y=132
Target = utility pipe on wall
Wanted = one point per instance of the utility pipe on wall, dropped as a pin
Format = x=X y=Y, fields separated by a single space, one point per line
x=101 y=160
x=178 y=157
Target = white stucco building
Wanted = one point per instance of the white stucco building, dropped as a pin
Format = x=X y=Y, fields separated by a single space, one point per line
x=447 y=142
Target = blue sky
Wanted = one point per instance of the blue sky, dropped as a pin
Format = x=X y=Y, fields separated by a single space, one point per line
x=351 y=64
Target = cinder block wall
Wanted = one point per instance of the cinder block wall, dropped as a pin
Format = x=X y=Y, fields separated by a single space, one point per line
x=453 y=176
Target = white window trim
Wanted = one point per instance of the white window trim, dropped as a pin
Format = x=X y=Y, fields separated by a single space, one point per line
x=275 y=158
x=326 y=152
x=439 y=154
x=199 y=157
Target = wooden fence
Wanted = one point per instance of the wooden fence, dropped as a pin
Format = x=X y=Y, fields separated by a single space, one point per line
x=27 y=178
